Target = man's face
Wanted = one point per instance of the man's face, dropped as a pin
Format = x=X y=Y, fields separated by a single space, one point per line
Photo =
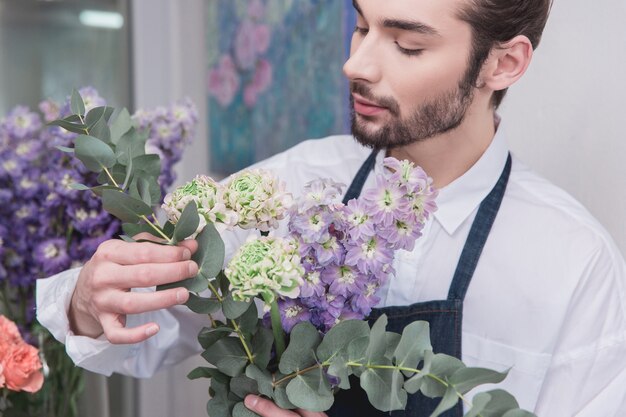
x=408 y=70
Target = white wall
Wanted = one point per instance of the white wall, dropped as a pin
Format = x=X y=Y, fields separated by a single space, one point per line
x=565 y=120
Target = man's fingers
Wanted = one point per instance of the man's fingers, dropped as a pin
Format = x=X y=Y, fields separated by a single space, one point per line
x=149 y=275
x=124 y=253
x=116 y=333
x=143 y=302
x=267 y=408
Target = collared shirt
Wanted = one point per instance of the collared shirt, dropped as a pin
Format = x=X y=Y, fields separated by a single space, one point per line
x=547 y=300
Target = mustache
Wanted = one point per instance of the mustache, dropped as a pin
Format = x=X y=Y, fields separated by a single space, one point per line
x=366 y=92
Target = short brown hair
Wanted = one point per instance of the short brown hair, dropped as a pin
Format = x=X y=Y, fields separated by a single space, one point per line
x=495 y=22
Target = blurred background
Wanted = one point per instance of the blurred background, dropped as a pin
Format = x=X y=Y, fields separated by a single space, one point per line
x=266 y=74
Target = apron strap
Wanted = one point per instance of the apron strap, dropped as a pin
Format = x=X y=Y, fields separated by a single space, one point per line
x=354 y=191
x=477 y=237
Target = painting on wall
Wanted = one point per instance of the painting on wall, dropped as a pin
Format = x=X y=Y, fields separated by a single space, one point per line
x=274 y=76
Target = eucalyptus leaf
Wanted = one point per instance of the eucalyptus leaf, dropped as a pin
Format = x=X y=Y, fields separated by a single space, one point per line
x=168 y=229
x=101 y=188
x=145 y=187
x=310 y=391
x=234 y=309
x=262 y=342
x=518 y=413
x=220 y=406
x=65 y=149
x=150 y=164
x=414 y=341
x=443 y=367
x=70 y=127
x=392 y=340
x=94 y=115
x=499 y=403
x=195 y=284
x=414 y=384
x=338 y=337
x=241 y=386
x=466 y=379
x=202 y=305
x=300 y=352
x=479 y=402
x=448 y=401
x=240 y=410
x=204 y=372
x=100 y=129
x=263 y=379
x=384 y=388
x=79 y=187
x=117 y=171
x=249 y=319
x=133 y=229
x=120 y=125
x=187 y=223
x=377 y=344
x=131 y=145
x=339 y=368
x=357 y=348
x=211 y=251
x=77 y=105
x=281 y=398
x=127 y=239
x=209 y=336
x=124 y=207
x=93 y=153
x=227 y=355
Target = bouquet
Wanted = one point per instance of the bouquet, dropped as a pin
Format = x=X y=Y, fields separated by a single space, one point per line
x=314 y=286
x=47 y=226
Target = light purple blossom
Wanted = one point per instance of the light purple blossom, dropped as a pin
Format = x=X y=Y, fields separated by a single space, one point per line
x=292 y=312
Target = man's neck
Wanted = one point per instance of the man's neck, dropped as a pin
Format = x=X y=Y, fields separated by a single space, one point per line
x=448 y=156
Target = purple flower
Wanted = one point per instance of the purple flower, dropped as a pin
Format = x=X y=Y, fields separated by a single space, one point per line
x=321 y=192
x=365 y=299
x=292 y=312
x=50 y=110
x=387 y=202
x=21 y=122
x=52 y=255
x=342 y=279
x=359 y=223
x=369 y=256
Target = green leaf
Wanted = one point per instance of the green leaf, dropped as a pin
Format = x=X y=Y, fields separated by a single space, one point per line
x=339 y=368
x=209 y=336
x=300 y=353
x=448 y=401
x=70 y=127
x=93 y=153
x=196 y=284
x=466 y=379
x=443 y=367
x=133 y=229
x=220 y=406
x=150 y=164
x=127 y=239
x=77 y=105
x=100 y=129
x=338 y=337
x=120 y=125
x=377 y=344
x=168 y=229
x=262 y=377
x=227 y=355
x=131 y=145
x=204 y=372
x=249 y=319
x=202 y=305
x=280 y=396
x=478 y=404
x=310 y=391
x=384 y=388
x=262 y=346
x=357 y=348
x=499 y=403
x=241 y=386
x=188 y=222
x=79 y=187
x=392 y=340
x=144 y=187
x=414 y=341
x=124 y=207
x=65 y=149
x=118 y=172
x=234 y=309
x=519 y=413
x=414 y=384
x=211 y=251
x=240 y=410
x=97 y=113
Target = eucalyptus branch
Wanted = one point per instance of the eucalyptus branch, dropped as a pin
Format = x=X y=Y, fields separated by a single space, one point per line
x=82 y=122
x=234 y=324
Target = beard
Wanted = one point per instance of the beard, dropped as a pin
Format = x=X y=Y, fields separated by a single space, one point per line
x=436 y=116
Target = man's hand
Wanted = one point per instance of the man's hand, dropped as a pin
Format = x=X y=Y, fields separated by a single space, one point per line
x=267 y=408
x=102 y=297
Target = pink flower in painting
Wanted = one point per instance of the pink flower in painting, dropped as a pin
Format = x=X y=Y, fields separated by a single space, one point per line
x=256 y=9
x=260 y=82
x=224 y=81
x=262 y=36
x=246 y=44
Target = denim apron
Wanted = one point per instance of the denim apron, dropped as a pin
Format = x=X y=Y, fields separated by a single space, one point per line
x=445 y=316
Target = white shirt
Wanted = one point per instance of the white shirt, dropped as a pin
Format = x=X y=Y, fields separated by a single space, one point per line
x=548 y=297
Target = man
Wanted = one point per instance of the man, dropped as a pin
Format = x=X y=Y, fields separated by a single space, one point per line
x=511 y=271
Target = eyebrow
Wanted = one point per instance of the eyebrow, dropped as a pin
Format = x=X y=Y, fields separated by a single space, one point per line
x=408 y=25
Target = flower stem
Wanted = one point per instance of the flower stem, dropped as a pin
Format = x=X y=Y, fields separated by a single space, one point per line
x=277 y=328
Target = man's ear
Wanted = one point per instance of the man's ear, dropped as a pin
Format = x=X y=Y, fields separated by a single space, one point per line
x=507 y=63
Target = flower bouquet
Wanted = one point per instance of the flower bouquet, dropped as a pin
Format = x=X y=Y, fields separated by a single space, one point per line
x=46 y=226
x=285 y=318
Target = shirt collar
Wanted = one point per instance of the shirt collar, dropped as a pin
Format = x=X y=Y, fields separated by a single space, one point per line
x=458 y=200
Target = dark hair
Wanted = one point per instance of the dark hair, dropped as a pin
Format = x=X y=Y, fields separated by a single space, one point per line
x=495 y=22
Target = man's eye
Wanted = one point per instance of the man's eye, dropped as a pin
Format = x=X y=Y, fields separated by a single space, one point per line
x=360 y=30
x=409 y=52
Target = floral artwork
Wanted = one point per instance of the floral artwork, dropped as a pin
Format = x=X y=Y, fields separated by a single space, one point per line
x=274 y=76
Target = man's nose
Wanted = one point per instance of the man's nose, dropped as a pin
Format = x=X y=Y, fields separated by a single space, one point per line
x=363 y=64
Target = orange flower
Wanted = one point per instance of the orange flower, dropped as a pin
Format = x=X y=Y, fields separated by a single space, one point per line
x=22 y=368
x=9 y=333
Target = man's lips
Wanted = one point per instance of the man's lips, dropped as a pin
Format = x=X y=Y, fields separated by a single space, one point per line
x=366 y=107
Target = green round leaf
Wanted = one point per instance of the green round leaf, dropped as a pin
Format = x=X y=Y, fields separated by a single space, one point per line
x=310 y=391
x=300 y=352
x=384 y=388
x=466 y=379
x=240 y=410
x=188 y=222
x=93 y=153
x=338 y=338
